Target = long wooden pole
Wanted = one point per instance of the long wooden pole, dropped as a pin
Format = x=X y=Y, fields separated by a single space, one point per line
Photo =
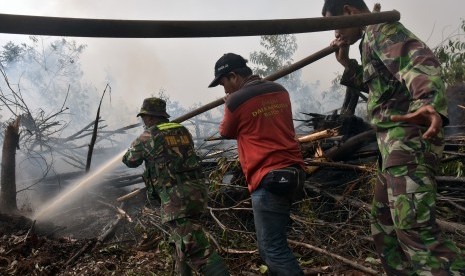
x=283 y=72
x=84 y=27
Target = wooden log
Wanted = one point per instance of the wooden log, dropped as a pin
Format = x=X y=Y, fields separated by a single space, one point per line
x=352 y=144
x=327 y=133
x=84 y=27
x=350 y=101
x=8 y=202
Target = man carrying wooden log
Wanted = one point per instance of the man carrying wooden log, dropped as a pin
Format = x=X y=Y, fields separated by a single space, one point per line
x=173 y=172
x=258 y=114
x=408 y=110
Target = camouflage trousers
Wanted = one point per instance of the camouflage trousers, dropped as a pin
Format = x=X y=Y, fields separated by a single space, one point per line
x=406 y=235
x=193 y=251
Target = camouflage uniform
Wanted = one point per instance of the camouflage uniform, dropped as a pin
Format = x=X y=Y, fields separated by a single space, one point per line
x=173 y=172
x=402 y=75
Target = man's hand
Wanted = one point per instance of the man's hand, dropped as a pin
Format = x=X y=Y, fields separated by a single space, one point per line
x=425 y=116
x=342 y=54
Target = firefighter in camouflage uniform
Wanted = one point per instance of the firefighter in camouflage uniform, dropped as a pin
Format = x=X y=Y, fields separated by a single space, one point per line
x=173 y=172
x=407 y=108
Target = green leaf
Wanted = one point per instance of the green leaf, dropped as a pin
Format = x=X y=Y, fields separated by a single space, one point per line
x=263 y=269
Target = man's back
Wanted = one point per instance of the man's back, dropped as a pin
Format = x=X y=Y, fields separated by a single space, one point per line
x=259 y=116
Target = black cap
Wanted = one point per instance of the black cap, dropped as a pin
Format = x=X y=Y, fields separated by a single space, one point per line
x=227 y=64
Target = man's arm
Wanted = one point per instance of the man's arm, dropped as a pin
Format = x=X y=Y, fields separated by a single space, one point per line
x=425 y=115
x=134 y=156
x=353 y=72
x=412 y=63
x=228 y=127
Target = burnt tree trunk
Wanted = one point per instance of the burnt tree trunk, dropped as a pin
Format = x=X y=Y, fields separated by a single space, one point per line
x=350 y=102
x=456 y=106
x=8 y=177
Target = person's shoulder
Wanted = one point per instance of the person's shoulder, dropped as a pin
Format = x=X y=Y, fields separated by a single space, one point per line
x=145 y=136
x=388 y=34
x=255 y=88
x=277 y=84
x=393 y=29
x=268 y=84
x=148 y=134
x=386 y=28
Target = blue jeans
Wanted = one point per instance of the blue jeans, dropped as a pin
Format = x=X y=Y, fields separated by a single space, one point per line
x=271 y=217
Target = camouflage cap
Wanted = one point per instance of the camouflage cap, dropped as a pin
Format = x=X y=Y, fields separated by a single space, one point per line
x=154 y=107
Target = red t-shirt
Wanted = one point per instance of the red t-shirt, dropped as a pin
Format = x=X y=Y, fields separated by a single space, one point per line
x=259 y=116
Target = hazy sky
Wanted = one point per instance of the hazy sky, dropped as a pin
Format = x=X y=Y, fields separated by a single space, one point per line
x=184 y=67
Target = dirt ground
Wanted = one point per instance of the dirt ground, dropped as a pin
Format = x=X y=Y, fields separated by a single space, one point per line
x=69 y=246
x=25 y=253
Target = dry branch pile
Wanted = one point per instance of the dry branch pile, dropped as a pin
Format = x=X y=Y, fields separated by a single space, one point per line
x=112 y=231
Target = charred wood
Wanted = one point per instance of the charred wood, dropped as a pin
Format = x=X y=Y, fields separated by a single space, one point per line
x=94 y=132
x=350 y=101
x=451 y=179
x=345 y=150
x=8 y=175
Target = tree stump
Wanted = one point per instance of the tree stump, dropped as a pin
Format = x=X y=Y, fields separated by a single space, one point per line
x=8 y=173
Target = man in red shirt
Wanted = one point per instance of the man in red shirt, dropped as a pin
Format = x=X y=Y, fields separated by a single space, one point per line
x=258 y=114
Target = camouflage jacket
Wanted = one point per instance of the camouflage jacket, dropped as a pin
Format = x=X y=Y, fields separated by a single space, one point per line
x=401 y=75
x=399 y=71
x=172 y=169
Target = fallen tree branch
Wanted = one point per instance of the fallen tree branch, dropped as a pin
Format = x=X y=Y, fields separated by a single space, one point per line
x=336 y=165
x=458 y=206
x=130 y=195
x=79 y=253
x=451 y=227
x=234 y=207
x=446 y=226
x=222 y=226
x=450 y=179
x=228 y=250
x=337 y=257
x=31 y=229
x=110 y=228
x=118 y=210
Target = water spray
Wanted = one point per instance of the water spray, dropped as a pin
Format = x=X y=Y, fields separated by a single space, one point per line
x=79 y=186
